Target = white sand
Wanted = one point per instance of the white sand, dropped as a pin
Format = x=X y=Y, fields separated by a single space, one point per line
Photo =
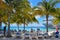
x=4 y=38
x=13 y=38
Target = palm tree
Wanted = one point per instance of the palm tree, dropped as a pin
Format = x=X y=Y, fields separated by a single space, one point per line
x=17 y=19
x=2 y=11
x=46 y=8
x=22 y=14
x=56 y=19
x=24 y=6
x=9 y=9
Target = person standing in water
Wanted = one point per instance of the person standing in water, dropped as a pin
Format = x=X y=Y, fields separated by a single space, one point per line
x=4 y=30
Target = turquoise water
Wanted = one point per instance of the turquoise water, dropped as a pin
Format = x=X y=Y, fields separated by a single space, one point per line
x=29 y=28
x=34 y=28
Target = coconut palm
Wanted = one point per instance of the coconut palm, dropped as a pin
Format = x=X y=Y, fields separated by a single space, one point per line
x=23 y=14
x=27 y=18
x=56 y=19
x=24 y=9
x=46 y=8
x=9 y=11
x=2 y=11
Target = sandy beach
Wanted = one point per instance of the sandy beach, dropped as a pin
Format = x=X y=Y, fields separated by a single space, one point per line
x=12 y=38
x=15 y=38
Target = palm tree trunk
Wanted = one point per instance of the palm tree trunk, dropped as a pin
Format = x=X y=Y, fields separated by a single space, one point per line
x=0 y=24
x=47 y=23
x=24 y=24
x=18 y=26
x=9 y=34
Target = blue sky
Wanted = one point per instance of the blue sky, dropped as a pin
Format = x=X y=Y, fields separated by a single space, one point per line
x=34 y=3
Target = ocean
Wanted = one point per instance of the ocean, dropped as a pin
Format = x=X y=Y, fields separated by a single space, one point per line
x=29 y=28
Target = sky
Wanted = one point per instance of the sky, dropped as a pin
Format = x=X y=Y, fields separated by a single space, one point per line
x=34 y=3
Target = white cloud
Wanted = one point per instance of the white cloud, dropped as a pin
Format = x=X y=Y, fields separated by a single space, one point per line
x=31 y=4
x=35 y=25
x=51 y=17
x=38 y=16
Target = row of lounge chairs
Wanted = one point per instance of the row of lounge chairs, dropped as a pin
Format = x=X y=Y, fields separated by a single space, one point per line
x=29 y=35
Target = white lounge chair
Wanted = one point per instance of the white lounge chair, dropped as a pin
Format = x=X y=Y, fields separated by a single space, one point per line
x=46 y=35
x=40 y=36
x=19 y=35
x=26 y=36
x=33 y=35
x=1 y=34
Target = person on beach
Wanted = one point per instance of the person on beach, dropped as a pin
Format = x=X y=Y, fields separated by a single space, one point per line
x=4 y=30
x=57 y=32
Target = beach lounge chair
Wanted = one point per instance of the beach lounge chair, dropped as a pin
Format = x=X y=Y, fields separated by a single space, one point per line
x=40 y=36
x=33 y=35
x=24 y=31
x=51 y=33
x=1 y=34
x=38 y=31
x=46 y=36
x=26 y=36
x=18 y=35
x=14 y=31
